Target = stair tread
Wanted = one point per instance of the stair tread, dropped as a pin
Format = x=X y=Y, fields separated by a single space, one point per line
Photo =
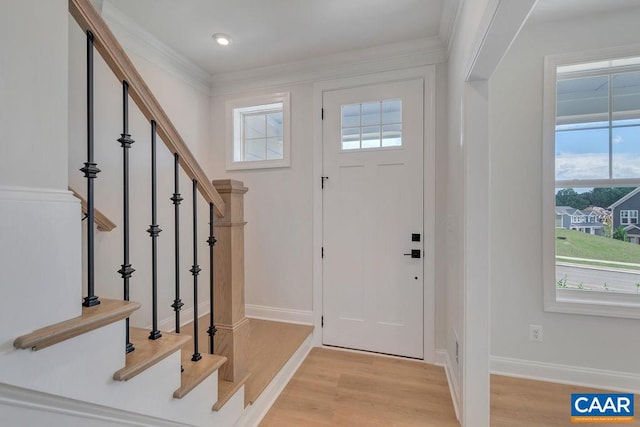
x=108 y=311
x=226 y=389
x=148 y=352
x=196 y=372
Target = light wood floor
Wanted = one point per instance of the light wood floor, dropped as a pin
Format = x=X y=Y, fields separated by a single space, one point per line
x=338 y=388
x=271 y=345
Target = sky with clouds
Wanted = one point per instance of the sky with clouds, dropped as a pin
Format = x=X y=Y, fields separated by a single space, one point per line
x=584 y=153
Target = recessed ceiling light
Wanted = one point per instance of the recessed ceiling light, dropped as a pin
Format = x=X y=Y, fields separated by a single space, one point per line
x=222 y=39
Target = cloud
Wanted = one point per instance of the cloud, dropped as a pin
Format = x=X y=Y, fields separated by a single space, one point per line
x=617 y=139
x=596 y=166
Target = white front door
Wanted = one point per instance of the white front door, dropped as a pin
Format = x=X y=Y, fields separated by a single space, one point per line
x=373 y=218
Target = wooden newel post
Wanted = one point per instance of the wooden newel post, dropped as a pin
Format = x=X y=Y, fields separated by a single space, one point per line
x=232 y=338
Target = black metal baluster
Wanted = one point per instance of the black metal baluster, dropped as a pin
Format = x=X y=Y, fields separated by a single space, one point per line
x=125 y=142
x=195 y=270
x=90 y=172
x=211 y=241
x=176 y=199
x=154 y=230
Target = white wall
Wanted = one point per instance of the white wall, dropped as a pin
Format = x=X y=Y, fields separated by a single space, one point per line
x=278 y=208
x=454 y=261
x=33 y=151
x=516 y=252
x=188 y=108
x=39 y=220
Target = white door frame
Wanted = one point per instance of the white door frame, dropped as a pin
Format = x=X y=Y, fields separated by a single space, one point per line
x=428 y=73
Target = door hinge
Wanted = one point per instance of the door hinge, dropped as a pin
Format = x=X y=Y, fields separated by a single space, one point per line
x=322 y=252
x=322 y=322
x=322 y=114
x=322 y=180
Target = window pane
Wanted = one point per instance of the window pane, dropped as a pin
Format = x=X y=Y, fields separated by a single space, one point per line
x=596 y=250
x=626 y=152
x=254 y=126
x=371 y=137
x=582 y=154
x=583 y=102
x=274 y=149
x=392 y=135
x=626 y=98
x=392 y=111
x=370 y=113
x=274 y=124
x=254 y=149
x=351 y=138
x=351 y=115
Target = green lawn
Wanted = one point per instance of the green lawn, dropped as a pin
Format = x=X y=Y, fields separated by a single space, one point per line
x=582 y=245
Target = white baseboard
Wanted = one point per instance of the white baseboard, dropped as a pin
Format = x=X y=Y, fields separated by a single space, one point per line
x=186 y=316
x=443 y=359
x=302 y=317
x=565 y=374
x=22 y=407
x=254 y=413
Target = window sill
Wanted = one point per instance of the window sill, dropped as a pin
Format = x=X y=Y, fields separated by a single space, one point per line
x=608 y=304
x=268 y=164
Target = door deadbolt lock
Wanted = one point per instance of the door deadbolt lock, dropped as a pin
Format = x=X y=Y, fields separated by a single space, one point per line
x=415 y=253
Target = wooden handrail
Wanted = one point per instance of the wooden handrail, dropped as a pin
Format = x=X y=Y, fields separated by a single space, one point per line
x=116 y=58
x=101 y=220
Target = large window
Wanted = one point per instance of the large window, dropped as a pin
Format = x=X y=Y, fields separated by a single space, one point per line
x=592 y=170
x=258 y=132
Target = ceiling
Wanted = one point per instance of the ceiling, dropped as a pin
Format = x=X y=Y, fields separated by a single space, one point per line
x=274 y=32
x=561 y=9
x=271 y=32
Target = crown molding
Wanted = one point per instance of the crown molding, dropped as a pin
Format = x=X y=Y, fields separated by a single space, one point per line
x=388 y=57
x=139 y=41
x=449 y=21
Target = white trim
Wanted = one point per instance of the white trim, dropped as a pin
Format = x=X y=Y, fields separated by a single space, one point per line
x=277 y=314
x=254 y=413
x=168 y=324
x=428 y=74
x=18 y=397
x=565 y=374
x=500 y=25
x=377 y=59
x=230 y=130
x=443 y=359
x=135 y=39
x=448 y=21
x=624 y=199
x=25 y=194
x=566 y=301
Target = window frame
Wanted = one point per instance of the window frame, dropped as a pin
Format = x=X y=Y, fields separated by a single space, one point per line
x=631 y=214
x=233 y=128
x=574 y=301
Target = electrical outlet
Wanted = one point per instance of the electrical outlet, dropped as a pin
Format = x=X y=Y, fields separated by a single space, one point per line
x=535 y=333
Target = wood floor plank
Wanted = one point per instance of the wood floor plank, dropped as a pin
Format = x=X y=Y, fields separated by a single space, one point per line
x=533 y=403
x=271 y=346
x=340 y=388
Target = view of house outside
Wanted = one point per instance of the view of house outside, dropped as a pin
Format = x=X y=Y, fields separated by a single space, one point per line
x=597 y=174
x=598 y=239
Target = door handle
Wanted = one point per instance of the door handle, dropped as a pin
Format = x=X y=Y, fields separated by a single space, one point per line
x=415 y=253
